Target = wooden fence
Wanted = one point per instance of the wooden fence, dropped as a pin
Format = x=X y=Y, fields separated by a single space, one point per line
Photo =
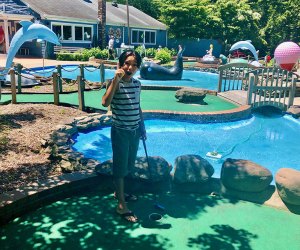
x=271 y=86
x=234 y=76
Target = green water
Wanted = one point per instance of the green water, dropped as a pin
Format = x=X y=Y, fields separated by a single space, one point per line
x=189 y=222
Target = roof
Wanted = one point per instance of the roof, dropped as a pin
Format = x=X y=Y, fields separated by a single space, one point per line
x=87 y=11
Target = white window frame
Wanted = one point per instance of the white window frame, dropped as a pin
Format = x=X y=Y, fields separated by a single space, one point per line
x=144 y=31
x=72 y=40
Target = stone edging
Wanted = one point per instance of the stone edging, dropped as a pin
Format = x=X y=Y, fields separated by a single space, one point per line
x=59 y=144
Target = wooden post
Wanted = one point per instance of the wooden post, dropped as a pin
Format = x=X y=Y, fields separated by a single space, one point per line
x=250 y=89
x=81 y=104
x=59 y=81
x=55 y=88
x=13 y=86
x=220 y=80
x=19 y=70
x=81 y=66
x=292 y=92
x=102 y=73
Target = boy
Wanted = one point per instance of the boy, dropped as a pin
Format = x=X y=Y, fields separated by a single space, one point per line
x=123 y=95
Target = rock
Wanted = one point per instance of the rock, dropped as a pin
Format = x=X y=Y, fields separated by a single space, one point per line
x=191 y=95
x=159 y=169
x=66 y=166
x=294 y=110
x=192 y=169
x=244 y=175
x=105 y=168
x=288 y=185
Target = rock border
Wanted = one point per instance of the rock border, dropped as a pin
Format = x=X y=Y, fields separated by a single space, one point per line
x=22 y=200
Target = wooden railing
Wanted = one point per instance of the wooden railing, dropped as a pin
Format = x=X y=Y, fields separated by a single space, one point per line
x=66 y=49
x=271 y=86
x=234 y=76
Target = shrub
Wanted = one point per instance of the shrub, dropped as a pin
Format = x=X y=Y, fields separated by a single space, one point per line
x=164 y=55
x=62 y=56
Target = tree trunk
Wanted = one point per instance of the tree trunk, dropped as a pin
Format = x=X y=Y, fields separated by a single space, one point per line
x=102 y=23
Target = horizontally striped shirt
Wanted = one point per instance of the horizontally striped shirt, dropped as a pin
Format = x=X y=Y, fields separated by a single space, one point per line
x=125 y=105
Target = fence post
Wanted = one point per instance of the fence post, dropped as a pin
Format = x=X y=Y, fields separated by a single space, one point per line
x=292 y=92
x=81 y=104
x=81 y=66
x=102 y=73
x=220 y=80
x=55 y=88
x=59 y=81
x=250 y=89
x=19 y=70
x=13 y=86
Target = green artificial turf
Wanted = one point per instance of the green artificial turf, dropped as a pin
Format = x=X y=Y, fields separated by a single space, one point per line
x=150 y=100
x=190 y=221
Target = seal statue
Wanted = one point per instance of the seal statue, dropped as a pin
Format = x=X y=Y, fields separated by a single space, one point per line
x=153 y=71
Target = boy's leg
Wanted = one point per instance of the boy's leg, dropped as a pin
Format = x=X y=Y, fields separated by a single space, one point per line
x=120 y=144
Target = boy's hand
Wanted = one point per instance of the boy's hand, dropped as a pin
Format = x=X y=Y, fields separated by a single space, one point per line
x=119 y=74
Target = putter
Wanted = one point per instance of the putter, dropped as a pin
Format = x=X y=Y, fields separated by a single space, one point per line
x=156 y=204
x=145 y=148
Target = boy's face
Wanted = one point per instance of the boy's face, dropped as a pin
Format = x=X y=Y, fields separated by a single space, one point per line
x=130 y=67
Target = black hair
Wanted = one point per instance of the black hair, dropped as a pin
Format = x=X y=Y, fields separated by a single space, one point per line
x=128 y=53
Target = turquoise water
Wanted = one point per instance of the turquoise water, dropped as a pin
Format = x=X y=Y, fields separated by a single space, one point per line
x=269 y=139
x=190 y=78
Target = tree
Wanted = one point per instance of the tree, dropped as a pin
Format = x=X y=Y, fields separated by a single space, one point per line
x=281 y=22
x=239 y=22
x=188 y=19
x=150 y=7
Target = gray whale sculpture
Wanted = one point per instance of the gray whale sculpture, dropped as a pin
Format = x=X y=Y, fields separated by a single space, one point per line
x=153 y=71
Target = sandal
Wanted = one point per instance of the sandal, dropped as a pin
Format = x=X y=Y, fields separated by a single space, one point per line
x=128 y=197
x=129 y=216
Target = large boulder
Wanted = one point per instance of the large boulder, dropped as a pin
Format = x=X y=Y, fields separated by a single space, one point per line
x=288 y=185
x=192 y=169
x=244 y=175
x=158 y=170
x=191 y=95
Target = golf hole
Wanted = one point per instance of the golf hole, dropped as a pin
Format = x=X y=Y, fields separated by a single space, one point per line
x=155 y=216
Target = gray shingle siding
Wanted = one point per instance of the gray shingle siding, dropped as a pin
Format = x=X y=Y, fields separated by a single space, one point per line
x=87 y=11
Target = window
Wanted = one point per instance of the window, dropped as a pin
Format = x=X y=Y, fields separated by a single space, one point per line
x=87 y=34
x=73 y=33
x=57 y=30
x=78 y=33
x=67 y=33
x=143 y=37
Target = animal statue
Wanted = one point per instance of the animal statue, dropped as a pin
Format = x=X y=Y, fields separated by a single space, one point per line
x=153 y=71
x=29 y=31
x=245 y=45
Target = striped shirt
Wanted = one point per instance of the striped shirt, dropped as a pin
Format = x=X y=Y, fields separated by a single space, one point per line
x=125 y=105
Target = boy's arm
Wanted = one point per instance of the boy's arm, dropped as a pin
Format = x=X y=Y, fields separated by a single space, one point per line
x=113 y=86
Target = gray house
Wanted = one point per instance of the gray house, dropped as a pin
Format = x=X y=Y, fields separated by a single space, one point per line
x=76 y=23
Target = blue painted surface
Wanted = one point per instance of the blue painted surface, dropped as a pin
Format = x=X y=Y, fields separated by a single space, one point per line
x=29 y=31
x=196 y=79
x=268 y=139
x=245 y=45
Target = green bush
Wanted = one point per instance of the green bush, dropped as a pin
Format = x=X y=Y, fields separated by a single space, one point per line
x=82 y=55
x=62 y=56
x=151 y=52
x=164 y=55
x=140 y=50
